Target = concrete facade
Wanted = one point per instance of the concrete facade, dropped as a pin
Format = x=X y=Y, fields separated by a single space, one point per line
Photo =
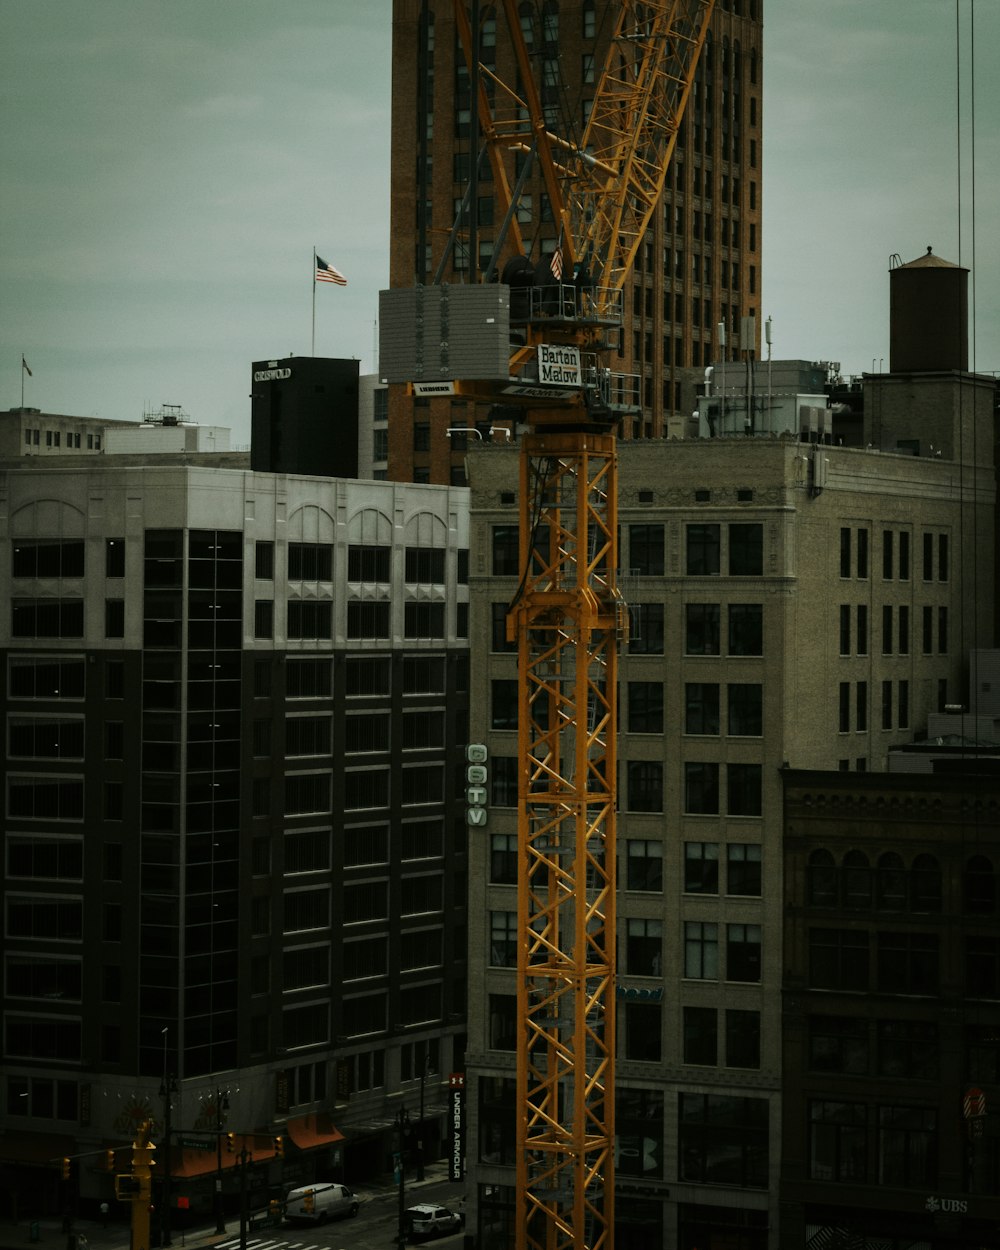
x=777 y=593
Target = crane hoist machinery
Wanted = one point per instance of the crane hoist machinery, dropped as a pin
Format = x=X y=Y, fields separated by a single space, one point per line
x=539 y=341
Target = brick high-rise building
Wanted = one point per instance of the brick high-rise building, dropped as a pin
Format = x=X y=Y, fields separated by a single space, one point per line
x=699 y=267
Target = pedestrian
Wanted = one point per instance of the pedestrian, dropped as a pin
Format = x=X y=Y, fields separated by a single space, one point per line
x=104 y=1213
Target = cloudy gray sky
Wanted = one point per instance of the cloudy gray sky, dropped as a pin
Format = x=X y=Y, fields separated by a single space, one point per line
x=167 y=166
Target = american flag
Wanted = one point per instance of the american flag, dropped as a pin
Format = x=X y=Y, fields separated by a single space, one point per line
x=327 y=273
x=556 y=264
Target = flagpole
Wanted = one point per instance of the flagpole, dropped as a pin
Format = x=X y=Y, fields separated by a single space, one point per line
x=314 y=304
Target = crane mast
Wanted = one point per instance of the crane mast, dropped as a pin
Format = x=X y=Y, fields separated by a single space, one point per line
x=567 y=617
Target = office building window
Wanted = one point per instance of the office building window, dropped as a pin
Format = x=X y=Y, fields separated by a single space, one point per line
x=263 y=618
x=425 y=565
x=506 y=557
x=942 y=631
x=646 y=550
x=503 y=859
x=742 y=1123
x=862 y=553
x=644 y=866
x=904 y=555
x=366 y=619
x=743 y=788
x=887 y=631
x=645 y=629
x=498 y=634
x=645 y=707
x=701 y=788
x=264 y=561
x=742 y=1039
x=701 y=634
x=908 y=1048
x=904 y=630
x=743 y=952
x=701 y=950
x=701 y=707
x=309 y=678
x=746 y=712
x=310 y=562
x=643 y=947
x=743 y=868
x=503 y=774
x=703 y=549
x=845 y=629
x=746 y=550
x=838 y=959
x=503 y=939
x=701 y=867
x=503 y=703
x=746 y=629
x=907 y=1147
x=643 y=1032
x=908 y=963
x=845 y=551
x=838 y=1044
x=862 y=629
x=645 y=786
x=903 y=705
x=887 y=705
x=309 y=618
x=701 y=1036
x=861 y=706
x=369 y=564
x=887 y=553
x=838 y=1141
x=46 y=618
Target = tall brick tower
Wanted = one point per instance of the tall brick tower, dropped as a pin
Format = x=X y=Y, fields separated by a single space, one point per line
x=700 y=265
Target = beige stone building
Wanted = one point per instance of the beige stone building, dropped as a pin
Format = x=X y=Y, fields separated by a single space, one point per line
x=793 y=604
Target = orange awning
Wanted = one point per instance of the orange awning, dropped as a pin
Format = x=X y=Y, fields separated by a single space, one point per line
x=309 y=1132
x=192 y=1163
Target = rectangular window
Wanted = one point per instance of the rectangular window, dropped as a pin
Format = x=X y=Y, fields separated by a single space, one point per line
x=701 y=707
x=264 y=561
x=366 y=788
x=907 y=1147
x=746 y=629
x=861 y=706
x=845 y=551
x=862 y=628
x=705 y=1122
x=743 y=789
x=904 y=630
x=309 y=618
x=701 y=634
x=425 y=565
x=645 y=707
x=498 y=635
x=743 y=952
x=308 y=679
x=701 y=1036
x=46 y=618
x=503 y=939
x=942 y=557
x=903 y=705
x=746 y=550
x=746 y=709
x=887 y=553
x=646 y=550
x=310 y=562
x=503 y=703
x=743 y=868
x=838 y=959
x=701 y=867
x=862 y=537
x=644 y=866
x=369 y=564
x=908 y=963
x=263 y=618
x=506 y=551
x=701 y=950
x=424 y=620
x=845 y=707
x=928 y=573
x=927 y=631
x=887 y=630
x=742 y=1039
x=838 y=1141
x=701 y=788
x=503 y=858
x=503 y=773
x=643 y=947
x=47 y=557
x=887 y=705
x=368 y=619
x=114 y=557
x=838 y=1044
x=48 y=678
x=904 y=555
x=643 y=1032
x=942 y=631
x=309 y=735
x=645 y=786
x=845 y=629
x=703 y=549
x=645 y=629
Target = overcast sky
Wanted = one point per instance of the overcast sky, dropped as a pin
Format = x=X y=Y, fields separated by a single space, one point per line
x=168 y=166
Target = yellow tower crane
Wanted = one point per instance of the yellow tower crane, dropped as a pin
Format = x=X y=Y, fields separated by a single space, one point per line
x=567 y=617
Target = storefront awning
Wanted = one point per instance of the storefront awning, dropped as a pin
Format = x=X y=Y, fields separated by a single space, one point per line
x=35 y=1148
x=192 y=1163
x=310 y=1132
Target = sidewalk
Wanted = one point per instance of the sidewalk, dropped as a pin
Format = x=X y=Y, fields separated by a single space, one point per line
x=116 y=1235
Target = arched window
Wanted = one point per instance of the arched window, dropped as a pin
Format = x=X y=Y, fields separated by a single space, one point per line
x=890 y=882
x=821 y=880
x=925 y=884
x=856 y=880
x=980 y=885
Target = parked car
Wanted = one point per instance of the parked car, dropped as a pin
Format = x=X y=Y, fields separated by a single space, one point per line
x=427 y=1220
x=313 y=1204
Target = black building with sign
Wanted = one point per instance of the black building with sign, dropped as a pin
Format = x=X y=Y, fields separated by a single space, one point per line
x=304 y=416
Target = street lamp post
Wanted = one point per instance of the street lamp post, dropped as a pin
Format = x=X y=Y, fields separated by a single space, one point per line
x=244 y=1156
x=221 y=1104
x=402 y=1125
x=420 y=1123
x=168 y=1087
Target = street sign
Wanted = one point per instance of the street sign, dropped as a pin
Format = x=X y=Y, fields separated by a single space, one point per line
x=197 y=1143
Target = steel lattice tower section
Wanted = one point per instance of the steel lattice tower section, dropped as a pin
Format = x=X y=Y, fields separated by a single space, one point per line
x=567 y=620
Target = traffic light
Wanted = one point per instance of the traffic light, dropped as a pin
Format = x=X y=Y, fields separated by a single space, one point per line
x=279 y=1147
x=109 y=1160
x=65 y=1168
x=231 y=1142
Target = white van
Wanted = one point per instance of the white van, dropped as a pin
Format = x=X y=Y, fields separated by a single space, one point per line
x=313 y=1204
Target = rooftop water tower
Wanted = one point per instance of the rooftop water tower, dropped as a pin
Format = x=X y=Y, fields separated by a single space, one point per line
x=928 y=316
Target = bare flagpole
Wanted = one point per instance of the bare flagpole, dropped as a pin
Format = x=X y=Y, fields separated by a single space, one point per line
x=313 y=353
